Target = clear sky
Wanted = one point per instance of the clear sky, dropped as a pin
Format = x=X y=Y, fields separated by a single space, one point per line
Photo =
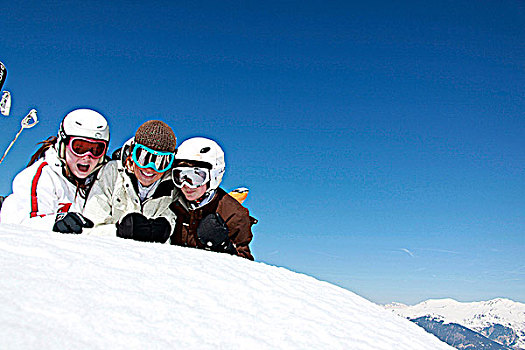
x=383 y=142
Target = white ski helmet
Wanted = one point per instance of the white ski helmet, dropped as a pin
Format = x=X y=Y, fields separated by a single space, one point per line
x=207 y=153
x=84 y=123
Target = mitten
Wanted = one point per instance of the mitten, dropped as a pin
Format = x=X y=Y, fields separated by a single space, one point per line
x=160 y=230
x=139 y=228
x=134 y=226
x=71 y=223
x=213 y=234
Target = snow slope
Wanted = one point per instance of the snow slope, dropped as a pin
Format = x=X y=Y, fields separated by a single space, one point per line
x=68 y=292
x=475 y=315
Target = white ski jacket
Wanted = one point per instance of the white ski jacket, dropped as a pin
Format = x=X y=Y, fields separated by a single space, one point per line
x=114 y=195
x=40 y=192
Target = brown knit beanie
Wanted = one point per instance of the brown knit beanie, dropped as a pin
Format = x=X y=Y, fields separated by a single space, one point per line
x=156 y=135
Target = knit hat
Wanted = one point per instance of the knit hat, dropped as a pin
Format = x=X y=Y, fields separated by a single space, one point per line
x=156 y=135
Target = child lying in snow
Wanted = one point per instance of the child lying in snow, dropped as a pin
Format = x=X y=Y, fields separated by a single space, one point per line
x=207 y=217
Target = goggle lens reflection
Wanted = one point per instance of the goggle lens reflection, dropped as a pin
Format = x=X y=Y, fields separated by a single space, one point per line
x=81 y=146
x=192 y=177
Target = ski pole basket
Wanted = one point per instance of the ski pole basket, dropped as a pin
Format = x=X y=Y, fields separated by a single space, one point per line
x=30 y=120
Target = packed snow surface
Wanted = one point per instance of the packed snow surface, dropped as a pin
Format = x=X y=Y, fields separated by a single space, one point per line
x=74 y=291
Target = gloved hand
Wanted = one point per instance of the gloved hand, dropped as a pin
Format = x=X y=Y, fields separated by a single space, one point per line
x=139 y=228
x=71 y=223
x=160 y=229
x=213 y=233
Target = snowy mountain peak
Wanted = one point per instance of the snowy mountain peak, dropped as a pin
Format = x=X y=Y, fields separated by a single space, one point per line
x=503 y=302
x=479 y=316
x=437 y=304
x=444 y=301
x=395 y=305
x=99 y=293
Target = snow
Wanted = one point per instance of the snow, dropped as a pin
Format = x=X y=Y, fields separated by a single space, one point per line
x=74 y=291
x=474 y=315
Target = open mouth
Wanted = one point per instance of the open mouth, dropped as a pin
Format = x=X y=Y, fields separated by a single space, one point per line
x=83 y=167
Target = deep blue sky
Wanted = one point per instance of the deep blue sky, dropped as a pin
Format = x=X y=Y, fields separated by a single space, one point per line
x=383 y=142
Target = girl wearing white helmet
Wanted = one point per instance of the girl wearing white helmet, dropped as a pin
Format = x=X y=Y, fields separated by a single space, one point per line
x=52 y=191
x=207 y=217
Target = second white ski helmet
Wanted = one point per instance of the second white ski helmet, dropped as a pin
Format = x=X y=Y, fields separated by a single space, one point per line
x=204 y=152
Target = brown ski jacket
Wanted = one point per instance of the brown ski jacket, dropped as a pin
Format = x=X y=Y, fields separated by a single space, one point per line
x=236 y=216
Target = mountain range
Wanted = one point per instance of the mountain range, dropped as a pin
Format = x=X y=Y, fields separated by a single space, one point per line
x=493 y=324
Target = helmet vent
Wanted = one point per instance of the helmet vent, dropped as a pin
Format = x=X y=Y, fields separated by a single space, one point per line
x=205 y=150
x=78 y=123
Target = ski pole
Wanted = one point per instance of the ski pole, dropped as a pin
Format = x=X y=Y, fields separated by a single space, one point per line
x=29 y=121
x=5 y=103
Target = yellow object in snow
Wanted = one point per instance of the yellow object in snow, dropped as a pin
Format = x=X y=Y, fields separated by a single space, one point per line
x=240 y=194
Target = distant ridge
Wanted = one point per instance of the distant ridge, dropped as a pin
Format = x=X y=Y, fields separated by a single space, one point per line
x=500 y=320
x=456 y=335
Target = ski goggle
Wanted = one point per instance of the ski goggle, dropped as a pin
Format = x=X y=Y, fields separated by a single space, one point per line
x=81 y=146
x=193 y=177
x=145 y=157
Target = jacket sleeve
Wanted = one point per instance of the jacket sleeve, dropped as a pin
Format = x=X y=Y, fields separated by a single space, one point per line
x=99 y=206
x=239 y=224
x=34 y=201
x=170 y=215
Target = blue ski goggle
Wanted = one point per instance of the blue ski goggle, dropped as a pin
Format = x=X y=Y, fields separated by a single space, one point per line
x=145 y=157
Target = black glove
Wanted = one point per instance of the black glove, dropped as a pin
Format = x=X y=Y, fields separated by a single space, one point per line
x=213 y=233
x=71 y=223
x=160 y=230
x=139 y=228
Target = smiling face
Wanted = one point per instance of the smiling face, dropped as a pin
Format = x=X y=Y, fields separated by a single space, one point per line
x=82 y=166
x=146 y=176
x=192 y=194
